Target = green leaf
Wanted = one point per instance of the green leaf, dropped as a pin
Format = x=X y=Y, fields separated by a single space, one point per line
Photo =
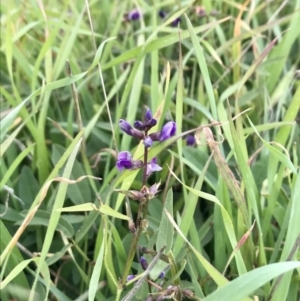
x=8 y=120
x=105 y=209
x=43 y=217
x=246 y=284
x=78 y=208
x=166 y=230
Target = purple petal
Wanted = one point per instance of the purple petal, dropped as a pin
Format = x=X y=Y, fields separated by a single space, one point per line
x=152 y=167
x=124 y=161
x=190 y=140
x=162 y=14
x=148 y=142
x=168 y=130
x=125 y=126
x=139 y=125
x=134 y=15
x=148 y=115
x=144 y=263
x=175 y=22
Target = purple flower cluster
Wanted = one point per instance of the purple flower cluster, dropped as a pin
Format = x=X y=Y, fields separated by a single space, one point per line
x=140 y=131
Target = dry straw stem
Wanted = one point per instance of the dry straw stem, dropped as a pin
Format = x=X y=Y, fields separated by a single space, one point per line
x=31 y=214
x=225 y=171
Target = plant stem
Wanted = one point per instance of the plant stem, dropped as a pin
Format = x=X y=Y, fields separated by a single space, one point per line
x=145 y=162
x=131 y=254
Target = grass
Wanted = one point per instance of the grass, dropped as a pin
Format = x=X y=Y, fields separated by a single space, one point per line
x=225 y=222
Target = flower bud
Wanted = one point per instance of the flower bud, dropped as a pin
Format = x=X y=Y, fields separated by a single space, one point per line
x=134 y=15
x=148 y=116
x=144 y=263
x=162 y=275
x=130 y=277
x=129 y=130
x=124 y=161
x=139 y=125
x=162 y=14
x=168 y=130
x=190 y=140
x=148 y=141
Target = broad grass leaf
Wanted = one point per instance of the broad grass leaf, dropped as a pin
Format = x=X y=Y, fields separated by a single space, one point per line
x=43 y=217
x=12 y=261
x=166 y=230
x=8 y=120
x=28 y=186
x=246 y=284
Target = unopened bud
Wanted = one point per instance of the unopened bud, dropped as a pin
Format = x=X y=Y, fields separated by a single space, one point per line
x=130 y=277
x=162 y=275
x=144 y=263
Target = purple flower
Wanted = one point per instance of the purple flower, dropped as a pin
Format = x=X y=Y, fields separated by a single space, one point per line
x=139 y=125
x=144 y=263
x=125 y=161
x=129 y=130
x=168 y=130
x=152 y=167
x=175 y=22
x=162 y=275
x=148 y=116
x=148 y=123
x=162 y=14
x=190 y=140
x=130 y=277
x=134 y=15
x=148 y=142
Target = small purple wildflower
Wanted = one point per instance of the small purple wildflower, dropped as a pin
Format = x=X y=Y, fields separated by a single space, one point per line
x=152 y=166
x=134 y=15
x=168 y=130
x=162 y=14
x=175 y=22
x=125 y=161
x=190 y=140
x=162 y=275
x=148 y=123
x=148 y=116
x=148 y=142
x=144 y=263
x=139 y=125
